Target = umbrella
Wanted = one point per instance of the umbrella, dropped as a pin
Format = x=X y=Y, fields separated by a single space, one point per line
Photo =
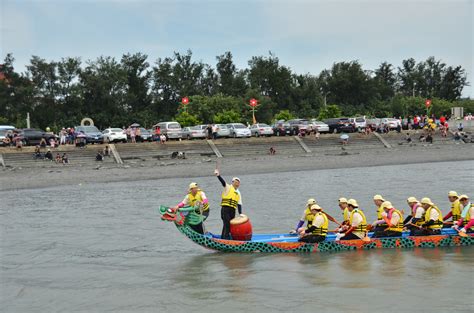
x=135 y=125
x=344 y=136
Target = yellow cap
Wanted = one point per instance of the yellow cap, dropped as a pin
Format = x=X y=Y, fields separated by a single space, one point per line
x=353 y=203
x=412 y=200
x=311 y=201
x=193 y=185
x=462 y=197
x=315 y=207
x=453 y=194
x=387 y=205
x=426 y=201
x=379 y=197
x=342 y=200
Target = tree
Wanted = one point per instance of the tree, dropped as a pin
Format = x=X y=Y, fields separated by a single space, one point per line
x=284 y=115
x=330 y=111
x=385 y=81
x=185 y=119
x=227 y=117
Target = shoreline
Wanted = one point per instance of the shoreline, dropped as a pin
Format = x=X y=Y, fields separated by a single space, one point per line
x=32 y=178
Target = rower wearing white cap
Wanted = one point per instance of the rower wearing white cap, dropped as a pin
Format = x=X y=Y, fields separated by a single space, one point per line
x=455 y=212
x=357 y=223
x=394 y=221
x=196 y=198
x=378 y=200
x=466 y=221
x=231 y=201
x=307 y=216
x=432 y=220
x=317 y=231
x=416 y=214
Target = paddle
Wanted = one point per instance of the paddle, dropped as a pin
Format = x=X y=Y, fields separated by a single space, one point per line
x=460 y=233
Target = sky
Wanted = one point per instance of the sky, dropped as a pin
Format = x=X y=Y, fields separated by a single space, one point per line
x=307 y=36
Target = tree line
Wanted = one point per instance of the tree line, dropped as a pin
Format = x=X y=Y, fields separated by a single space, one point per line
x=119 y=92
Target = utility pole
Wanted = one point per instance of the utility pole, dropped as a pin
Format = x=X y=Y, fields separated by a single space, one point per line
x=28 y=120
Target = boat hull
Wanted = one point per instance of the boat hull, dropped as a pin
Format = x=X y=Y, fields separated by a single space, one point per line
x=217 y=244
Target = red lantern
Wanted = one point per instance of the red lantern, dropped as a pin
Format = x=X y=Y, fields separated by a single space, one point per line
x=185 y=100
x=428 y=103
x=253 y=103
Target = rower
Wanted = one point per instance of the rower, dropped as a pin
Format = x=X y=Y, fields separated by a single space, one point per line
x=196 y=198
x=378 y=200
x=342 y=202
x=455 y=212
x=394 y=221
x=413 y=204
x=307 y=217
x=357 y=222
x=467 y=215
x=231 y=201
x=317 y=231
x=432 y=221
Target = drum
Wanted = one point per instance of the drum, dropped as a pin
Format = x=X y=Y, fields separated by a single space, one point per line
x=241 y=228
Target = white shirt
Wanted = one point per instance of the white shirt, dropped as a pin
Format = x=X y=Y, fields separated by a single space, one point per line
x=434 y=215
x=395 y=219
x=318 y=221
x=419 y=212
x=356 y=221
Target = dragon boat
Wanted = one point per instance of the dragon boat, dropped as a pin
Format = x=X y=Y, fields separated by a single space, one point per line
x=287 y=243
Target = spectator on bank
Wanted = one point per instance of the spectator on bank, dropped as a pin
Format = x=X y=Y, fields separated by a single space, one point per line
x=48 y=155
x=52 y=143
x=209 y=131
x=408 y=138
x=162 y=139
x=18 y=141
x=107 y=151
x=62 y=136
x=99 y=156
x=214 y=131
x=429 y=138
x=65 y=158
x=43 y=142
x=133 y=134
x=58 y=158
x=37 y=155
x=157 y=133
x=460 y=127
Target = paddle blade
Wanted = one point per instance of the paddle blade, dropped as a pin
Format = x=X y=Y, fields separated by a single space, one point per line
x=462 y=234
x=366 y=239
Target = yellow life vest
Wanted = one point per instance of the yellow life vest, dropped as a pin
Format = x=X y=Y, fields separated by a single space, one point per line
x=231 y=198
x=362 y=227
x=346 y=214
x=323 y=230
x=467 y=219
x=198 y=197
x=399 y=226
x=380 y=210
x=308 y=216
x=439 y=223
x=456 y=210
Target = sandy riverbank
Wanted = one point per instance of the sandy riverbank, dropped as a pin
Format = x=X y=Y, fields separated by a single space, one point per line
x=12 y=179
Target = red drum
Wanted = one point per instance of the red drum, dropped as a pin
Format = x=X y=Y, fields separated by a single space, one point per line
x=241 y=228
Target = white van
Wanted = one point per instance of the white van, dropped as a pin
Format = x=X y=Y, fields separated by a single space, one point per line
x=172 y=130
x=359 y=122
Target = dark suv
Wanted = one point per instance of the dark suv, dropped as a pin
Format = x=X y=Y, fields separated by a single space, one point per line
x=339 y=125
x=282 y=128
x=32 y=136
x=93 y=135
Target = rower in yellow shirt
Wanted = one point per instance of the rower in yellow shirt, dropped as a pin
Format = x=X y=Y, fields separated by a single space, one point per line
x=455 y=212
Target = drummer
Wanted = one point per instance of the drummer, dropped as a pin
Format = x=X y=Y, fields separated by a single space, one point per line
x=196 y=198
x=231 y=201
x=317 y=231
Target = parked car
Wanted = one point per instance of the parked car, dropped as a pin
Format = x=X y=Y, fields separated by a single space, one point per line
x=145 y=135
x=374 y=123
x=238 y=130
x=320 y=126
x=260 y=129
x=172 y=130
x=299 y=125
x=6 y=127
x=339 y=125
x=359 y=122
x=392 y=123
x=3 y=136
x=194 y=132
x=114 y=135
x=223 y=131
x=32 y=136
x=93 y=134
x=282 y=128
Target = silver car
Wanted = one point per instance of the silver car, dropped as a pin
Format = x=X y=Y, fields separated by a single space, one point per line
x=261 y=129
x=238 y=130
x=194 y=132
x=223 y=131
x=320 y=126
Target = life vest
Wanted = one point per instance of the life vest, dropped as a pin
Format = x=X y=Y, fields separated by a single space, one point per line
x=467 y=219
x=362 y=227
x=456 y=210
x=346 y=214
x=399 y=226
x=198 y=197
x=231 y=198
x=323 y=230
x=437 y=224
x=308 y=216
x=380 y=210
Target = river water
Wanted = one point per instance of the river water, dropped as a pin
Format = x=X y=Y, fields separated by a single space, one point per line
x=103 y=248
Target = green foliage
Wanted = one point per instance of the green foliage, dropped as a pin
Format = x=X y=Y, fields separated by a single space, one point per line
x=185 y=119
x=284 y=115
x=3 y=120
x=227 y=117
x=467 y=104
x=330 y=111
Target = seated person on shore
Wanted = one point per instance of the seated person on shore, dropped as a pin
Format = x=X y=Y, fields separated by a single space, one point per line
x=414 y=206
x=106 y=151
x=317 y=231
x=307 y=217
x=196 y=198
x=455 y=212
x=378 y=200
x=58 y=158
x=37 y=154
x=48 y=155
x=394 y=221
x=357 y=223
x=408 y=138
x=99 y=156
x=432 y=220
x=466 y=221
x=65 y=159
